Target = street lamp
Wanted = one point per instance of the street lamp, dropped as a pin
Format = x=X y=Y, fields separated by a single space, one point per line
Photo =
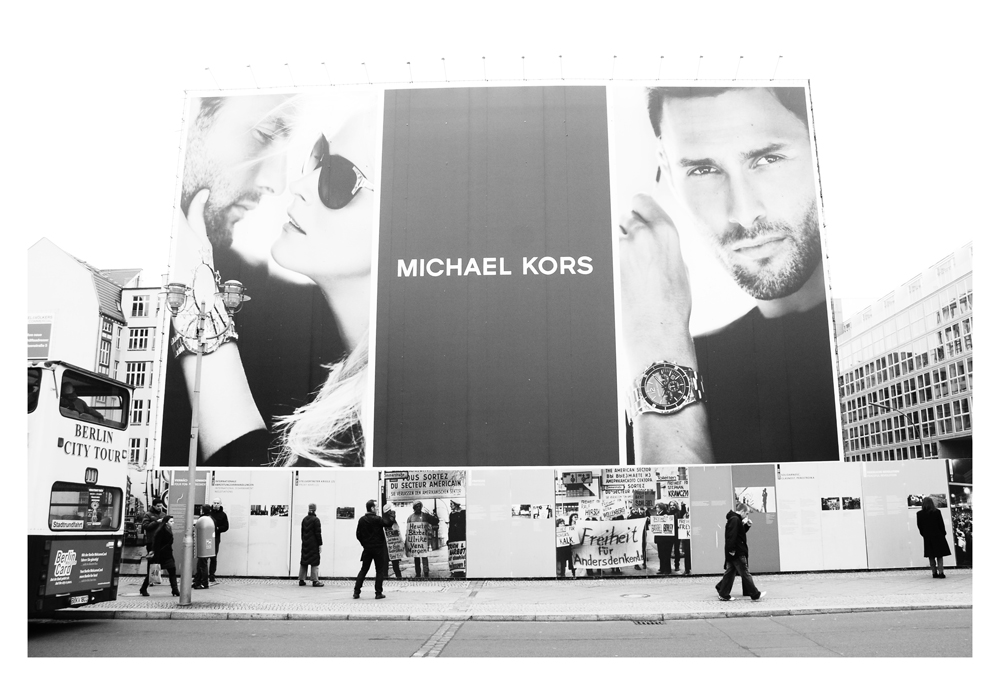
x=181 y=298
x=906 y=416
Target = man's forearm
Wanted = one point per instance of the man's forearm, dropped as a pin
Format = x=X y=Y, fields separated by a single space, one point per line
x=226 y=408
x=680 y=438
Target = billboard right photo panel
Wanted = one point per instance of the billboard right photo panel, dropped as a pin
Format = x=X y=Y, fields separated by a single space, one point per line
x=726 y=349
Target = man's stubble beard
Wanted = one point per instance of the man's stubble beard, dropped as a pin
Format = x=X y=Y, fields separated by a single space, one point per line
x=770 y=281
x=201 y=173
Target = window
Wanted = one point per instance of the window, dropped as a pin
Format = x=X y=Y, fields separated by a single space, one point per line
x=137 y=407
x=133 y=450
x=87 y=399
x=104 y=353
x=138 y=339
x=75 y=506
x=140 y=305
x=135 y=374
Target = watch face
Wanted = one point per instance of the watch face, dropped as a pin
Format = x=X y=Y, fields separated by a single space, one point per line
x=666 y=387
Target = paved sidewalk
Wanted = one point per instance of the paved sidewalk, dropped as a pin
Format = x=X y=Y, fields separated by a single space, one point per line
x=580 y=599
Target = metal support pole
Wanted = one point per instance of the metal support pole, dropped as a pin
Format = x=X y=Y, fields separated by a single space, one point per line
x=187 y=560
x=906 y=418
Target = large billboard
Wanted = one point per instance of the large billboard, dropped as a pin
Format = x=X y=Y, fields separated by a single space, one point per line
x=503 y=276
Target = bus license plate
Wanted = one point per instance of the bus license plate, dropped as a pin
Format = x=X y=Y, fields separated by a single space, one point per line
x=80 y=599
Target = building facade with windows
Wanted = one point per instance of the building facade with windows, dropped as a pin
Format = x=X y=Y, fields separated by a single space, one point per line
x=103 y=320
x=905 y=369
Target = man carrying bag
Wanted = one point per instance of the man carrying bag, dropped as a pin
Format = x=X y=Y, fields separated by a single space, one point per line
x=150 y=522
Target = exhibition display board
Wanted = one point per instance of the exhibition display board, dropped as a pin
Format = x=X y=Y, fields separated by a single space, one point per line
x=543 y=523
x=340 y=496
x=891 y=498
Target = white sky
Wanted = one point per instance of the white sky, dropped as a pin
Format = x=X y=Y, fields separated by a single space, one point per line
x=97 y=104
x=94 y=94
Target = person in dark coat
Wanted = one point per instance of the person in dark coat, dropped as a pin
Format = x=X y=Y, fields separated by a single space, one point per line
x=221 y=520
x=312 y=545
x=150 y=522
x=737 y=555
x=163 y=551
x=371 y=535
x=930 y=523
x=456 y=529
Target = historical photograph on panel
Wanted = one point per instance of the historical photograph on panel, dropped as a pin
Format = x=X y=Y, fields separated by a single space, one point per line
x=851 y=503
x=624 y=521
x=278 y=193
x=495 y=331
x=427 y=538
x=759 y=499
x=829 y=503
x=726 y=341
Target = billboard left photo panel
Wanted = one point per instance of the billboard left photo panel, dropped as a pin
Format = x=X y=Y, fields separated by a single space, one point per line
x=280 y=193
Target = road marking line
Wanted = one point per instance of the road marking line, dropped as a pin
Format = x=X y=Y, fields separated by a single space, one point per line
x=439 y=640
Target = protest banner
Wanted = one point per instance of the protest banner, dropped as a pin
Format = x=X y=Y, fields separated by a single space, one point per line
x=613 y=508
x=644 y=499
x=590 y=508
x=418 y=539
x=609 y=544
x=394 y=541
x=661 y=525
x=564 y=536
x=456 y=556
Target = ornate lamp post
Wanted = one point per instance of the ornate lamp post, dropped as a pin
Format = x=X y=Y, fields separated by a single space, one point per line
x=916 y=429
x=192 y=306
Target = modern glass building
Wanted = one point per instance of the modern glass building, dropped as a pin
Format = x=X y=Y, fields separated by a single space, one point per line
x=905 y=369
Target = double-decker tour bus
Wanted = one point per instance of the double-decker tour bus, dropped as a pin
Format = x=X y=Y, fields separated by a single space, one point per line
x=77 y=484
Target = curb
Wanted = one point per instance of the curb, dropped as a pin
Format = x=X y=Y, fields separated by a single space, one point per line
x=210 y=615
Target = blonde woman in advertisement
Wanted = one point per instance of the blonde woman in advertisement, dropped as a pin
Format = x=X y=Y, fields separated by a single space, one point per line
x=327 y=238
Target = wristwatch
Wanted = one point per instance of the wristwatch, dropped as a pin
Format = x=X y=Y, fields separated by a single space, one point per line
x=664 y=388
x=218 y=329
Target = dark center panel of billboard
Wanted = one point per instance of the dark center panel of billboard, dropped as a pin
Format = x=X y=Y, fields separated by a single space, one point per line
x=495 y=338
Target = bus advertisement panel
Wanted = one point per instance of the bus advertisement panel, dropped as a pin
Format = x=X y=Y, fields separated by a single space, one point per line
x=80 y=564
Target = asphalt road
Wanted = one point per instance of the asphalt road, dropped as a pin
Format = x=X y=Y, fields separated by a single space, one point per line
x=939 y=633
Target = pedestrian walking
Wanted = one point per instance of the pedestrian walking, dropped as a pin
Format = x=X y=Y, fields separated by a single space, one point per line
x=221 y=520
x=163 y=551
x=151 y=520
x=312 y=546
x=371 y=535
x=737 y=555
x=930 y=523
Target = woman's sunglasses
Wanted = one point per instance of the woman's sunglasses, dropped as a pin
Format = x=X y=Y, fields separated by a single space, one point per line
x=339 y=179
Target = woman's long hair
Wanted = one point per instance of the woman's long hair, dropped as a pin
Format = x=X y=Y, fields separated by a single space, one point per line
x=927 y=503
x=327 y=430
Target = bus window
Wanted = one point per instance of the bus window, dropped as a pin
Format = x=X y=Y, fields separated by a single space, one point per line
x=87 y=399
x=34 y=385
x=76 y=506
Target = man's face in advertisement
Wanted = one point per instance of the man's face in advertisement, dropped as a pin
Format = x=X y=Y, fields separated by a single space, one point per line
x=236 y=149
x=742 y=164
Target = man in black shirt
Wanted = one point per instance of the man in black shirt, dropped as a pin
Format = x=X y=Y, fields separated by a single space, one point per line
x=760 y=389
x=371 y=535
